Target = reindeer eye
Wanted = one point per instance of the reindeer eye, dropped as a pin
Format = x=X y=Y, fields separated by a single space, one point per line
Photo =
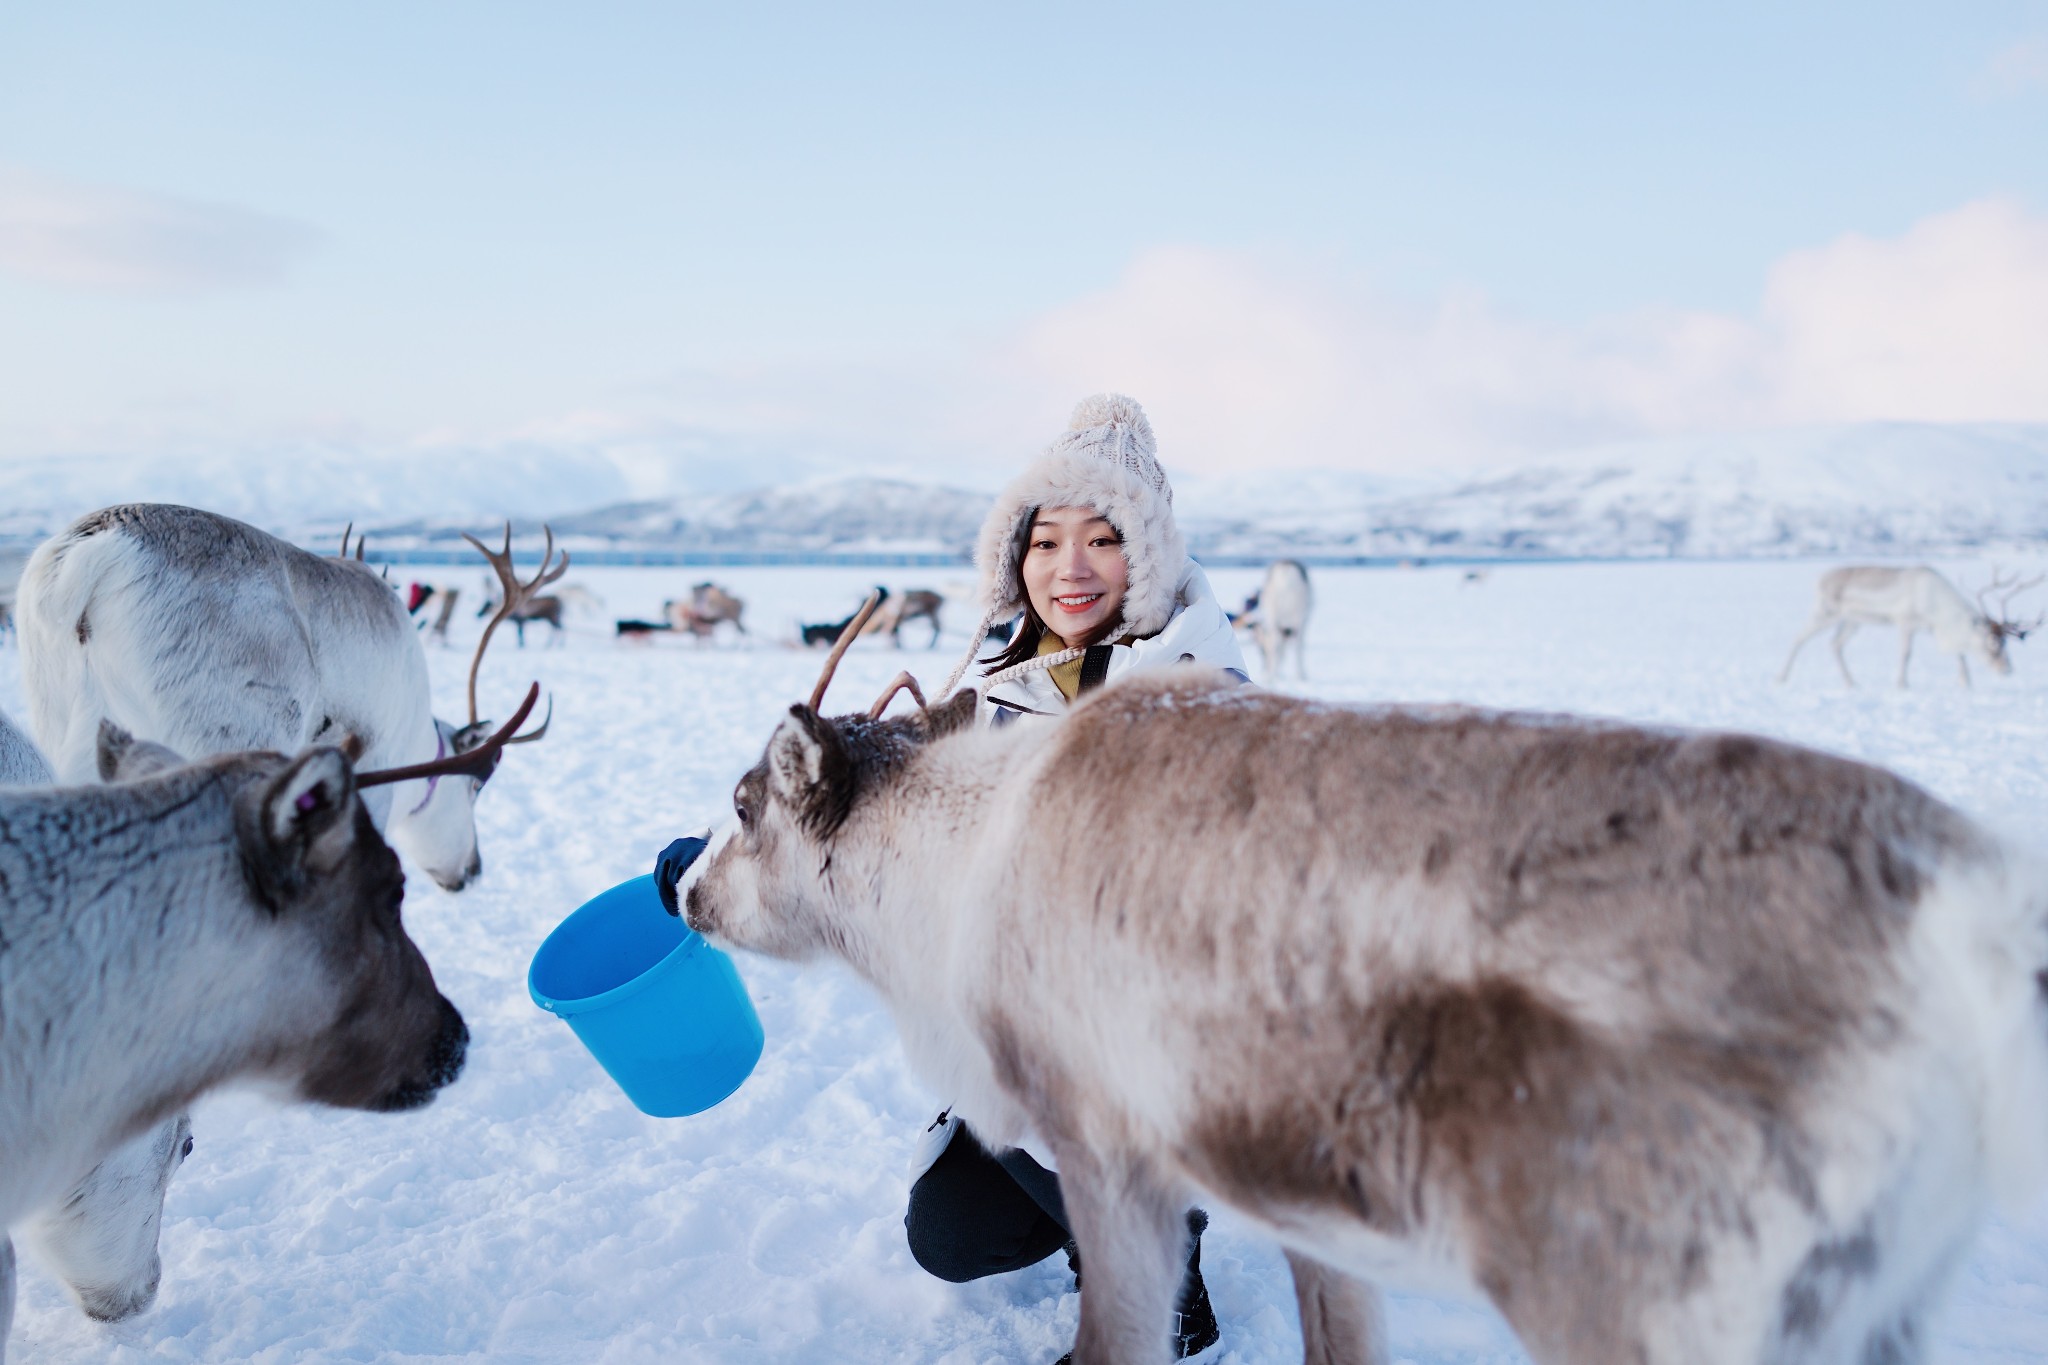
x=746 y=816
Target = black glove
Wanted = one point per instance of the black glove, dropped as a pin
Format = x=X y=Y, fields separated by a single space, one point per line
x=669 y=868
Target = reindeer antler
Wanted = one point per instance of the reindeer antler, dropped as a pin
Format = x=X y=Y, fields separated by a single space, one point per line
x=477 y=762
x=361 y=540
x=514 y=594
x=841 y=645
x=2008 y=588
x=903 y=682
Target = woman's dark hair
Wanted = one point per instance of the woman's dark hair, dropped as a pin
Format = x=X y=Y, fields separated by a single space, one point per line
x=1030 y=629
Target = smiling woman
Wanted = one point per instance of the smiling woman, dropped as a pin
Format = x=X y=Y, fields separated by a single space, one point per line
x=1083 y=549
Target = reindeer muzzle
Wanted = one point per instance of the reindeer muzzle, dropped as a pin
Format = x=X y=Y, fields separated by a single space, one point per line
x=669 y=868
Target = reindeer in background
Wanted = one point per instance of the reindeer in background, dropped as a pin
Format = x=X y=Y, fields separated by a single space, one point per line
x=1277 y=616
x=899 y=609
x=1916 y=599
x=432 y=607
x=708 y=606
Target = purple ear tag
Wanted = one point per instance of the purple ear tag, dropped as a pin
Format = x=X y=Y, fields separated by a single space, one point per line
x=307 y=800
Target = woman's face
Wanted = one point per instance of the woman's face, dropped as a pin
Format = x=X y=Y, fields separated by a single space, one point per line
x=1074 y=571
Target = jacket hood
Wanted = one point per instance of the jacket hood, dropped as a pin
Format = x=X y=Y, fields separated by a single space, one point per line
x=1107 y=460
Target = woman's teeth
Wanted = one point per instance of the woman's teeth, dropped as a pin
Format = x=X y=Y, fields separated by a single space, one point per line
x=1077 y=603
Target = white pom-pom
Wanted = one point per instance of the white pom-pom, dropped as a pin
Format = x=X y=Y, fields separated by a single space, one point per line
x=1114 y=410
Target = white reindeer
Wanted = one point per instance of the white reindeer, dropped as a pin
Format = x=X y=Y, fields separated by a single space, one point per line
x=1679 y=1049
x=101 y=1238
x=207 y=635
x=198 y=632
x=1914 y=599
x=186 y=927
x=1277 y=616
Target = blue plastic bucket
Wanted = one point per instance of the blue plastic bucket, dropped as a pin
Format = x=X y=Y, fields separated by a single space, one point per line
x=662 y=1010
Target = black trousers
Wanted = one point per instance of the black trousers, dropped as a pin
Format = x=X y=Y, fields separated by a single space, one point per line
x=977 y=1212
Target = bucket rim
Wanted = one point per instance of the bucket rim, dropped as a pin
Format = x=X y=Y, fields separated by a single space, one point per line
x=625 y=990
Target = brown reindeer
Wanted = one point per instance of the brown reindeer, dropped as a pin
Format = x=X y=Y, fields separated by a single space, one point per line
x=1680 y=1049
x=899 y=609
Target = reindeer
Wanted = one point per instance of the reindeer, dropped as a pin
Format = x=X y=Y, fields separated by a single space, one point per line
x=897 y=610
x=831 y=631
x=1277 y=616
x=432 y=606
x=205 y=634
x=709 y=605
x=1678 y=1048
x=21 y=763
x=189 y=926
x=550 y=607
x=545 y=608
x=196 y=631
x=1914 y=600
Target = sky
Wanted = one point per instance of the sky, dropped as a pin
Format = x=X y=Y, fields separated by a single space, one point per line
x=724 y=245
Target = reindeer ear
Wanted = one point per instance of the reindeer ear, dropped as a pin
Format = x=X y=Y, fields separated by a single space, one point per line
x=953 y=714
x=809 y=768
x=124 y=758
x=297 y=825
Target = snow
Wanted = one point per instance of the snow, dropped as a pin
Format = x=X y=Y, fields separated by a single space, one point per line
x=532 y=1215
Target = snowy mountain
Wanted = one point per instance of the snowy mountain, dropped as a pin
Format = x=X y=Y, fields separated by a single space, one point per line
x=1874 y=489
x=1878 y=489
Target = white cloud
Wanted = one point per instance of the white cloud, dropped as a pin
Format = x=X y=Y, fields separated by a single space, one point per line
x=2014 y=70
x=103 y=237
x=1247 y=362
x=1242 y=363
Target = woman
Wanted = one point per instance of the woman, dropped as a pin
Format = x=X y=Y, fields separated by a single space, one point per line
x=1082 y=550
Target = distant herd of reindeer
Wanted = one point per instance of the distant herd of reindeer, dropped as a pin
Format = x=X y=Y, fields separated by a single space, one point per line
x=195 y=888
x=1911 y=600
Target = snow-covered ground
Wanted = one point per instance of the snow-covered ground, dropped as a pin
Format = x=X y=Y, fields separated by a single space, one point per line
x=532 y=1215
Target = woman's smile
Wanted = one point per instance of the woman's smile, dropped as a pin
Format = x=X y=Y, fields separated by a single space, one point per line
x=1074 y=572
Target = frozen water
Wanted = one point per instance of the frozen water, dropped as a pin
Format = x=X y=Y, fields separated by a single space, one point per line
x=532 y=1215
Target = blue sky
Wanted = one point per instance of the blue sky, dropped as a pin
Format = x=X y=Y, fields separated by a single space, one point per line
x=768 y=238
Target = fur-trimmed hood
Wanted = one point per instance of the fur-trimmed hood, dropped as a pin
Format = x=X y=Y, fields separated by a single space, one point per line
x=1106 y=459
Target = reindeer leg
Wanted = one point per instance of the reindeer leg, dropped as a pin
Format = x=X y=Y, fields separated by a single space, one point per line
x=102 y=1240
x=1342 y=1322
x=1963 y=667
x=1133 y=1235
x=1906 y=653
x=1814 y=627
x=1842 y=633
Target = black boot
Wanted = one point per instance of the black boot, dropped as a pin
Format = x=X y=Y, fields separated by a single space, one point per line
x=1194 y=1318
x=1195 y=1328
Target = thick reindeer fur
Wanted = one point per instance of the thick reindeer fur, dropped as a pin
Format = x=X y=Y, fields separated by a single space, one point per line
x=101 y=1237
x=1680 y=1049
x=198 y=632
x=207 y=635
x=21 y=763
x=236 y=918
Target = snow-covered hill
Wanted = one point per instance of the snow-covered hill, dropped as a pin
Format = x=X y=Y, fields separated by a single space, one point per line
x=1880 y=489
x=1873 y=489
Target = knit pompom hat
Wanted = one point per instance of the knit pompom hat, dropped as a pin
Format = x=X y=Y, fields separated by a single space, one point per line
x=1108 y=460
